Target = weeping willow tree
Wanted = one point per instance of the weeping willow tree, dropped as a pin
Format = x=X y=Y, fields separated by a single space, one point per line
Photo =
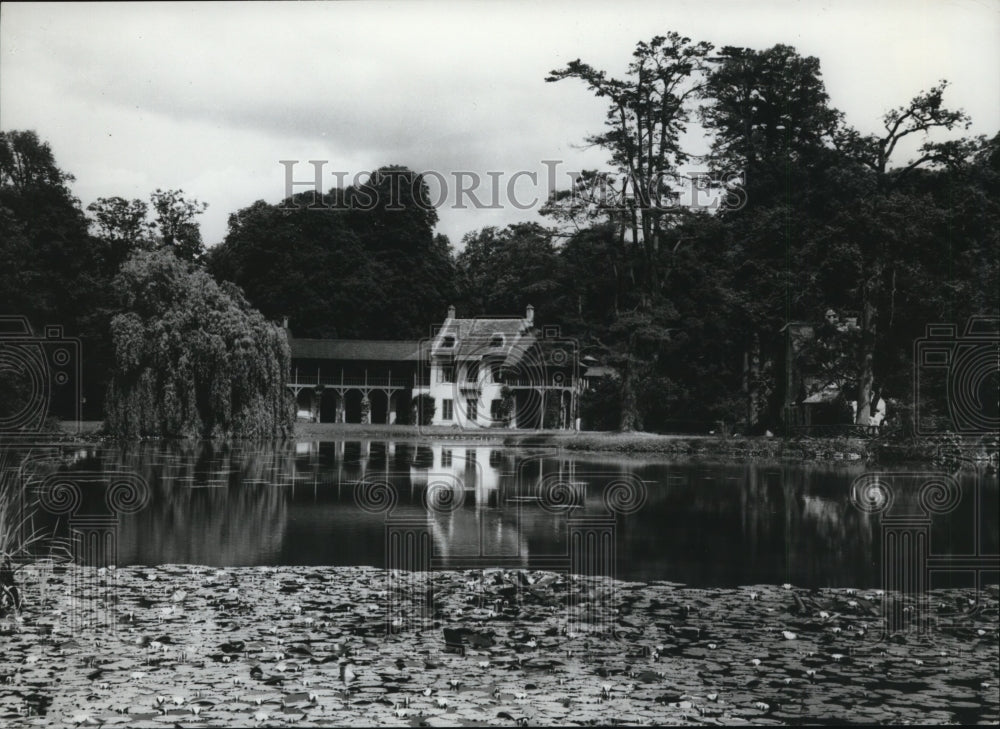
x=193 y=358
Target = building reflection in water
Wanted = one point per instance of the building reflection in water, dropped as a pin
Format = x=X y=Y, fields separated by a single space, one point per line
x=700 y=524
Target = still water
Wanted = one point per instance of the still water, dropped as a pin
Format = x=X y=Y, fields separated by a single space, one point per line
x=703 y=524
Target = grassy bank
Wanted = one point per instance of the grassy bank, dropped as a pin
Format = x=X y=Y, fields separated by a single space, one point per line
x=709 y=446
x=737 y=448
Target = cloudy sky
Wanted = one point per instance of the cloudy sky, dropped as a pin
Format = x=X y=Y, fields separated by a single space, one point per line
x=209 y=97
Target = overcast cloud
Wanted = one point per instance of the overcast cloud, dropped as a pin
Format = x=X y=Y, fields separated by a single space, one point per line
x=208 y=97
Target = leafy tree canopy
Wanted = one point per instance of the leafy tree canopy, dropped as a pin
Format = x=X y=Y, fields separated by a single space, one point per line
x=192 y=358
x=368 y=265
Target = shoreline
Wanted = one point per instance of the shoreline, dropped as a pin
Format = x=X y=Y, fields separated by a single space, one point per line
x=711 y=447
x=653 y=444
x=307 y=646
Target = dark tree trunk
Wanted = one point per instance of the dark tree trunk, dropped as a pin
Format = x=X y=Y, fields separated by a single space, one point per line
x=630 y=406
x=630 y=419
x=866 y=353
x=752 y=382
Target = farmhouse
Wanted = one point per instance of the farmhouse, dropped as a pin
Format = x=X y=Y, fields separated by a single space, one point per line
x=470 y=373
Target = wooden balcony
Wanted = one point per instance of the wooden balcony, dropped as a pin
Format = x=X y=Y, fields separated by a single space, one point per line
x=365 y=381
x=531 y=382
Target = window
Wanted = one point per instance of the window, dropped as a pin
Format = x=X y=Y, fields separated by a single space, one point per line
x=446 y=373
x=496 y=410
x=471 y=410
x=448 y=341
x=446 y=454
x=496 y=372
x=447 y=407
x=496 y=340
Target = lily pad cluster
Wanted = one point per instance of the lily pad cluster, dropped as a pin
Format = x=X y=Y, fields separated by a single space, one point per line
x=317 y=646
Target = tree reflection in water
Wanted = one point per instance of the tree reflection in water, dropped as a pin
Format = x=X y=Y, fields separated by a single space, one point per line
x=702 y=524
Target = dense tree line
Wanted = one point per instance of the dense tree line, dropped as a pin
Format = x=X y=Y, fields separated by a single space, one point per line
x=58 y=266
x=51 y=268
x=687 y=305
x=364 y=264
x=690 y=306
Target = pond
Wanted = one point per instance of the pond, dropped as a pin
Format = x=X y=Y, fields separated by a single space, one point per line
x=453 y=505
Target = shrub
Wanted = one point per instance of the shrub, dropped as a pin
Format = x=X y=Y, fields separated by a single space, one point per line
x=600 y=406
x=423 y=409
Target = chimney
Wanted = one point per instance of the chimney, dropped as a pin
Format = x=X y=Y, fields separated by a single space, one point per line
x=451 y=311
x=529 y=314
x=284 y=322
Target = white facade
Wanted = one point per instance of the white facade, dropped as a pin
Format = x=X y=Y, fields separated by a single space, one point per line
x=466 y=360
x=473 y=363
x=466 y=393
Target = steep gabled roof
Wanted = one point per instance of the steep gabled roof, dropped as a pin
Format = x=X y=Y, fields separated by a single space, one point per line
x=799 y=332
x=828 y=394
x=477 y=337
x=380 y=350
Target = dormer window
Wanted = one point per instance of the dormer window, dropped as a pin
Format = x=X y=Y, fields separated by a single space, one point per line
x=496 y=341
x=448 y=341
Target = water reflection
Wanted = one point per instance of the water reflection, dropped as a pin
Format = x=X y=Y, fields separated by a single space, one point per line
x=701 y=524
